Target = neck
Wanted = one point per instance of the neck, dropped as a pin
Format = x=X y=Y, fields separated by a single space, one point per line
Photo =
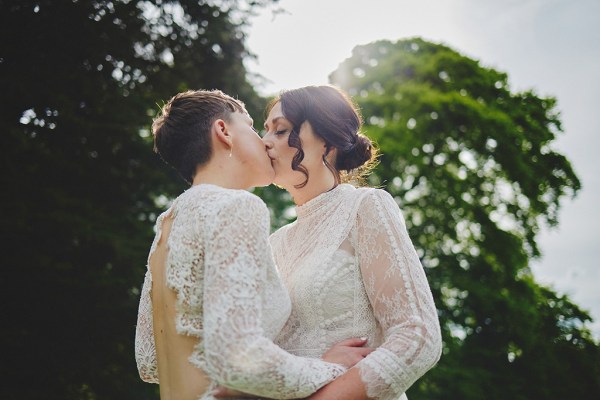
x=220 y=172
x=316 y=185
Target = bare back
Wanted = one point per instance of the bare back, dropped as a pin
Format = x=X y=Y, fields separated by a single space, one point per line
x=179 y=379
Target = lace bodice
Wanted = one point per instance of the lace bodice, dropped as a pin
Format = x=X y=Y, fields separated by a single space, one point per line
x=229 y=295
x=351 y=270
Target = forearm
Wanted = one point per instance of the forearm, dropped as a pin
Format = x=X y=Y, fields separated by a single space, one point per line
x=263 y=369
x=347 y=387
x=145 y=349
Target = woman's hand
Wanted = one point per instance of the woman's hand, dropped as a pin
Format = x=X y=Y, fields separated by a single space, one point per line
x=348 y=352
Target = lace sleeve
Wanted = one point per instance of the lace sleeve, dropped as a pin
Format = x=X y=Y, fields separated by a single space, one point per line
x=236 y=352
x=400 y=297
x=145 y=350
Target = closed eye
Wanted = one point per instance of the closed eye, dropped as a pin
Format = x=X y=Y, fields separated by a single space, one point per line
x=281 y=132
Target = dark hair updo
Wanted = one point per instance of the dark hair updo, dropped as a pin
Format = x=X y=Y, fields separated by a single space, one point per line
x=334 y=118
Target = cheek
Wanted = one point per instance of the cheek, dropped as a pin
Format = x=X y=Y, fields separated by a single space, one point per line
x=282 y=150
x=286 y=155
x=254 y=152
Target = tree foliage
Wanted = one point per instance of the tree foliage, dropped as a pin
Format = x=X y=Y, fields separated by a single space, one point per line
x=470 y=162
x=80 y=82
x=473 y=167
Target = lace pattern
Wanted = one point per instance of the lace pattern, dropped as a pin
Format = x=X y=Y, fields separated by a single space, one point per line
x=229 y=295
x=145 y=352
x=358 y=275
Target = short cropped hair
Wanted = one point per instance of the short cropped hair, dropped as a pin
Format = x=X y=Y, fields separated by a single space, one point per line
x=182 y=129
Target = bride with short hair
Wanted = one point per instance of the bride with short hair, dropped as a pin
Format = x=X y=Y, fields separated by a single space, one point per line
x=212 y=300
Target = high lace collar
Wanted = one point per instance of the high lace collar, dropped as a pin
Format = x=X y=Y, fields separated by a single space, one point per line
x=323 y=200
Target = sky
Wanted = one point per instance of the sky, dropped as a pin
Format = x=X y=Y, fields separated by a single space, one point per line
x=550 y=46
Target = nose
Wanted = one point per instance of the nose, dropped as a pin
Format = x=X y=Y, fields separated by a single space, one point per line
x=267 y=141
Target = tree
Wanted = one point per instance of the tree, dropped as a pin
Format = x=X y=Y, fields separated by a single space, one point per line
x=471 y=164
x=80 y=83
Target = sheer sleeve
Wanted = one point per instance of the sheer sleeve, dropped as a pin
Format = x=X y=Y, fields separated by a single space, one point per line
x=401 y=299
x=236 y=352
x=145 y=350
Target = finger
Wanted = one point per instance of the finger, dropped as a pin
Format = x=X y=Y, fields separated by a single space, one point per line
x=361 y=351
x=366 y=351
x=222 y=392
x=353 y=342
x=219 y=392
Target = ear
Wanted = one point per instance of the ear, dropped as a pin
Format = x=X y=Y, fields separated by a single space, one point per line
x=221 y=133
x=330 y=153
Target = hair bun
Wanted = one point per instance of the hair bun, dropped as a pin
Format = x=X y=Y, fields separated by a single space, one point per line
x=355 y=156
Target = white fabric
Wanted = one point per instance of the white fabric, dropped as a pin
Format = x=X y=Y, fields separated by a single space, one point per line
x=230 y=296
x=351 y=270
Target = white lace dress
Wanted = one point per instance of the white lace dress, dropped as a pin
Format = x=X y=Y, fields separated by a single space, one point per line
x=229 y=295
x=351 y=270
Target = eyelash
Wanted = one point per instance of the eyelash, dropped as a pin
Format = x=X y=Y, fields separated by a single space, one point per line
x=281 y=132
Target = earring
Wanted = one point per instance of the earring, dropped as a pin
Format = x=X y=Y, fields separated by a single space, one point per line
x=230 y=151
